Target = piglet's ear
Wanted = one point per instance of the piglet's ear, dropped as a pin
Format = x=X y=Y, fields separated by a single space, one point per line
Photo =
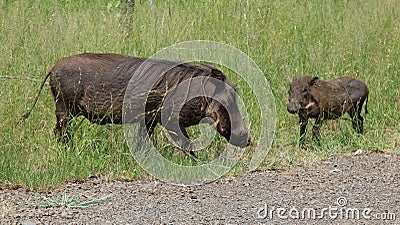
x=313 y=80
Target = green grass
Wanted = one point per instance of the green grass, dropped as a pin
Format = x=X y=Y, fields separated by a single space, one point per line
x=323 y=38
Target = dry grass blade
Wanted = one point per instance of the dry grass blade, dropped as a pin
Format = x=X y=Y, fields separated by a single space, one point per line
x=69 y=202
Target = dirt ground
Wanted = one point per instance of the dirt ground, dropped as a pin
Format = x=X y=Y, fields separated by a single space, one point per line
x=346 y=189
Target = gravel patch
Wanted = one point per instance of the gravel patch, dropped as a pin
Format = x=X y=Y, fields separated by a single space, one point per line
x=346 y=189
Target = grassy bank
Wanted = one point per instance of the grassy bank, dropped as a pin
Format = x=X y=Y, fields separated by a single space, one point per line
x=323 y=38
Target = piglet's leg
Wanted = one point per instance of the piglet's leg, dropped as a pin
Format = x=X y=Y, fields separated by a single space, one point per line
x=303 y=125
x=316 y=128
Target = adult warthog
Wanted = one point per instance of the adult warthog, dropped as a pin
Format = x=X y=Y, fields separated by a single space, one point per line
x=94 y=85
x=311 y=97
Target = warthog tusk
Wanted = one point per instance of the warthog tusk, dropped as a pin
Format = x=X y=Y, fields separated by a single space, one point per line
x=309 y=105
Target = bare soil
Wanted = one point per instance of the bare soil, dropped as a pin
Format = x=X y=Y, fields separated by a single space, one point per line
x=346 y=189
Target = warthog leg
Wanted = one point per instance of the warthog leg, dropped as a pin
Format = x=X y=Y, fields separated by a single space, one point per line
x=317 y=127
x=303 y=125
x=357 y=119
x=63 y=117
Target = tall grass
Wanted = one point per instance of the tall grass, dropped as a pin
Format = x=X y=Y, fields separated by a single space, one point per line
x=321 y=38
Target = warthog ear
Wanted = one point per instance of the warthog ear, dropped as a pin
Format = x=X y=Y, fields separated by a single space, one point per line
x=294 y=78
x=219 y=75
x=313 y=80
x=216 y=73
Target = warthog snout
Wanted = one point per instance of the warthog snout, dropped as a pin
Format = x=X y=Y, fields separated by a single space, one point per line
x=292 y=107
x=241 y=141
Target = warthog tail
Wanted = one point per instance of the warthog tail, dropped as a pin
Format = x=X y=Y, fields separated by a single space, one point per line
x=26 y=115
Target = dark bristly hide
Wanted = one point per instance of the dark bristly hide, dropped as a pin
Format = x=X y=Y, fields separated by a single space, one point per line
x=94 y=85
